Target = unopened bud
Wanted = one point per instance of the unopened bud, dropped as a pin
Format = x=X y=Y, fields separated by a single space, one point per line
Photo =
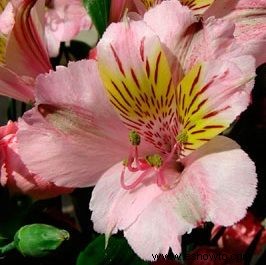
x=38 y=240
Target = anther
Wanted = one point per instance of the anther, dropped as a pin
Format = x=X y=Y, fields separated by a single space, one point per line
x=134 y=138
x=154 y=160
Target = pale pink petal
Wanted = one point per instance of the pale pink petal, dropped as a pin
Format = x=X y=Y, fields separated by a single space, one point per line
x=173 y=33
x=176 y=20
x=26 y=52
x=249 y=17
x=7 y=19
x=227 y=176
x=213 y=41
x=75 y=124
x=191 y=41
x=114 y=208
x=217 y=175
x=14 y=86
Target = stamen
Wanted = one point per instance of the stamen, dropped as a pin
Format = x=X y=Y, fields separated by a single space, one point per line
x=161 y=182
x=152 y=162
x=135 y=139
x=135 y=183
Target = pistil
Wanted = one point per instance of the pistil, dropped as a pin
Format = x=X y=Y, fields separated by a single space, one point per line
x=141 y=164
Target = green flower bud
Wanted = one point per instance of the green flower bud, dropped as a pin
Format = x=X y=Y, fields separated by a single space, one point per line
x=38 y=240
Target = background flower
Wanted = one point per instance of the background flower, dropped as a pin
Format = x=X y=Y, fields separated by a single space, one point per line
x=14 y=173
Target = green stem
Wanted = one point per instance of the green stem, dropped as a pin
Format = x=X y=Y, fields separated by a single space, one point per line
x=7 y=247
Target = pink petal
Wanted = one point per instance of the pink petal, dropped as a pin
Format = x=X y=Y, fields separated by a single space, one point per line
x=117 y=209
x=191 y=43
x=64 y=21
x=249 y=17
x=176 y=20
x=214 y=41
x=15 y=175
x=217 y=175
x=173 y=33
x=81 y=133
x=211 y=96
x=137 y=77
x=226 y=176
x=7 y=19
x=26 y=52
x=12 y=85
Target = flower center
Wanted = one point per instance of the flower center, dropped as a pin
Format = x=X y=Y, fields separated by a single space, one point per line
x=153 y=163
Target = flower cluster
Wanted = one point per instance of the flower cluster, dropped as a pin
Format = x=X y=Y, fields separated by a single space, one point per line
x=141 y=120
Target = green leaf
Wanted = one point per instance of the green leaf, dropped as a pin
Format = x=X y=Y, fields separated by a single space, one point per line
x=117 y=252
x=99 y=13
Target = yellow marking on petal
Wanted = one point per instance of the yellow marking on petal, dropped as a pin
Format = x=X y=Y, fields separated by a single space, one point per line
x=2 y=49
x=198 y=121
x=198 y=6
x=3 y=4
x=142 y=92
x=149 y=3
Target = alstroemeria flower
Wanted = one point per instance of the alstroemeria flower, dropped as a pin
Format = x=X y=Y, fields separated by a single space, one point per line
x=238 y=237
x=24 y=54
x=14 y=173
x=173 y=172
x=64 y=19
